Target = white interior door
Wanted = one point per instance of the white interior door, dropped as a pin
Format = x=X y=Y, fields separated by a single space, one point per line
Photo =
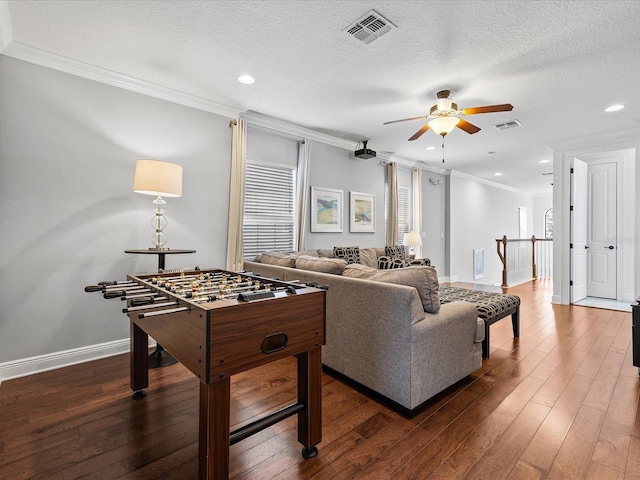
x=578 y=230
x=602 y=231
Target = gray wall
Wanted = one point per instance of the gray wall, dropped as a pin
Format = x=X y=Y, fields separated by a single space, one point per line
x=332 y=167
x=68 y=148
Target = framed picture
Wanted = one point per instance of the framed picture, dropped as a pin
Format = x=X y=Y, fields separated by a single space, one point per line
x=326 y=210
x=362 y=212
x=478 y=263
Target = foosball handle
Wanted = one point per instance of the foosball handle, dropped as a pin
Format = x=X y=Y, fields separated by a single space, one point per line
x=137 y=302
x=114 y=294
x=93 y=288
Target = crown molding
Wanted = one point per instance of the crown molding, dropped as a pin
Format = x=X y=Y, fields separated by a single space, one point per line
x=6 y=34
x=26 y=53
x=266 y=122
x=617 y=139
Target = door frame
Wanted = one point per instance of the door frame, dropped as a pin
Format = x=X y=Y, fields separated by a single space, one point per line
x=563 y=153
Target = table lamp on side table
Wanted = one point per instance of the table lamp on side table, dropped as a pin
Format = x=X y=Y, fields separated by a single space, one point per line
x=412 y=240
x=157 y=178
x=153 y=177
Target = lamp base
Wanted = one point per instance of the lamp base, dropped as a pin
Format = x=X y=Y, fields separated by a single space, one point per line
x=160 y=358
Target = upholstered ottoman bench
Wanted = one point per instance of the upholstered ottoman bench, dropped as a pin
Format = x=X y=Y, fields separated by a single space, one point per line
x=491 y=308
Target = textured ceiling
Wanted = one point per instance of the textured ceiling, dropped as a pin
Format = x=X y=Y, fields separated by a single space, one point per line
x=560 y=63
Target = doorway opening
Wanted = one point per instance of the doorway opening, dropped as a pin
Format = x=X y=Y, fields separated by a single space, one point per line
x=603 y=229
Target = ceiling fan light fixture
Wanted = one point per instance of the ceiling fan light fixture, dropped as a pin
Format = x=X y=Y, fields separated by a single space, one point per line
x=444 y=104
x=443 y=125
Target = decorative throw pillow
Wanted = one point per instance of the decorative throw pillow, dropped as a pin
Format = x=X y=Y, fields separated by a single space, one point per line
x=350 y=254
x=424 y=279
x=388 y=263
x=420 y=261
x=321 y=264
x=395 y=251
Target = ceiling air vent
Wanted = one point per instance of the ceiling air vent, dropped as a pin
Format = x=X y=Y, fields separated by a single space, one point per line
x=508 y=125
x=370 y=27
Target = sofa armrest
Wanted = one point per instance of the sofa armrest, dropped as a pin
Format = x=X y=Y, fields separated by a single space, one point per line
x=448 y=341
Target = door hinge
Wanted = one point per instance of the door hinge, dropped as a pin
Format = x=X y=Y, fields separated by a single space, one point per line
x=571 y=169
x=571 y=208
x=571 y=283
x=571 y=245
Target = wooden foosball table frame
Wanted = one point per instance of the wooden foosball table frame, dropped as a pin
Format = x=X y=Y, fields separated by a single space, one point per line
x=217 y=337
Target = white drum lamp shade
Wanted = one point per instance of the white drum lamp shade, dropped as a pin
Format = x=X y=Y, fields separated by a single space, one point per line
x=154 y=177
x=412 y=239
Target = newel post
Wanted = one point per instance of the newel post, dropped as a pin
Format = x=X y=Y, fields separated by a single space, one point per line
x=503 y=258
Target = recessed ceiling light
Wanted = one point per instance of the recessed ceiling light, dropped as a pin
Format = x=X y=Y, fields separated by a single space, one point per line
x=246 y=79
x=431 y=148
x=545 y=161
x=614 y=108
x=497 y=174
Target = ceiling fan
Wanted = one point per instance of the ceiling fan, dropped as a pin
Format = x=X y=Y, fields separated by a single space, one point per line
x=446 y=116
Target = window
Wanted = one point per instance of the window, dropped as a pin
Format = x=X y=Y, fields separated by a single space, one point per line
x=269 y=208
x=548 y=223
x=404 y=212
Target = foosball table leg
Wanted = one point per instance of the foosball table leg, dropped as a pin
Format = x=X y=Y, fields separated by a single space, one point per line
x=215 y=411
x=310 y=394
x=139 y=361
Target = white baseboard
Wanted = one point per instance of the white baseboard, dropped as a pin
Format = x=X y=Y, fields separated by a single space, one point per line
x=42 y=363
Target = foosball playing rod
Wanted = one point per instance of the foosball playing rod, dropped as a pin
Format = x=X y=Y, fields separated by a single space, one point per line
x=163 y=312
x=213 y=289
x=147 y=307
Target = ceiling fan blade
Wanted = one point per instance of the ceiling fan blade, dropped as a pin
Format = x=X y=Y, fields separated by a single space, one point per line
x=467 y=127
x=405 y=120
x=505 y=107
x=419 y=132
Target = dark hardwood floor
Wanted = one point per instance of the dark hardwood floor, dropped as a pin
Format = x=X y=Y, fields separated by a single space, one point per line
x=559 y=402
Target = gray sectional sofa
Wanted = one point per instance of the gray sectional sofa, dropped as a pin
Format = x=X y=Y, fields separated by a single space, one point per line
x=386 y=329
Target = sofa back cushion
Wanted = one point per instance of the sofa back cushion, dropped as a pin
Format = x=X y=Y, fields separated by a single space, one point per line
x=277 y=258
x=321 y=264
x=422 y=278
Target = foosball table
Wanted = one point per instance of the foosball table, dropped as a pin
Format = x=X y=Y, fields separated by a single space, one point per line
x=218 y=323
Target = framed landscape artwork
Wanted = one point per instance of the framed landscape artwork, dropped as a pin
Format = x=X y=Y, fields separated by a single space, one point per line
x=362 y=213
x=326 y=210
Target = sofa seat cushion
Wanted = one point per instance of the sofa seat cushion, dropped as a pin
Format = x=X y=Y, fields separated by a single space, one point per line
x=422 y=278
x=350 y=254
x=321 y=264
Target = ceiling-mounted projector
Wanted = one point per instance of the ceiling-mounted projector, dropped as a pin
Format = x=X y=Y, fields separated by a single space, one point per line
x=364 y=152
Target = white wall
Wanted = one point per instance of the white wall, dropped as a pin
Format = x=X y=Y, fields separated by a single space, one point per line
x=434 y=240
x=481 y=212
x=68 y=148
x=541 y=203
